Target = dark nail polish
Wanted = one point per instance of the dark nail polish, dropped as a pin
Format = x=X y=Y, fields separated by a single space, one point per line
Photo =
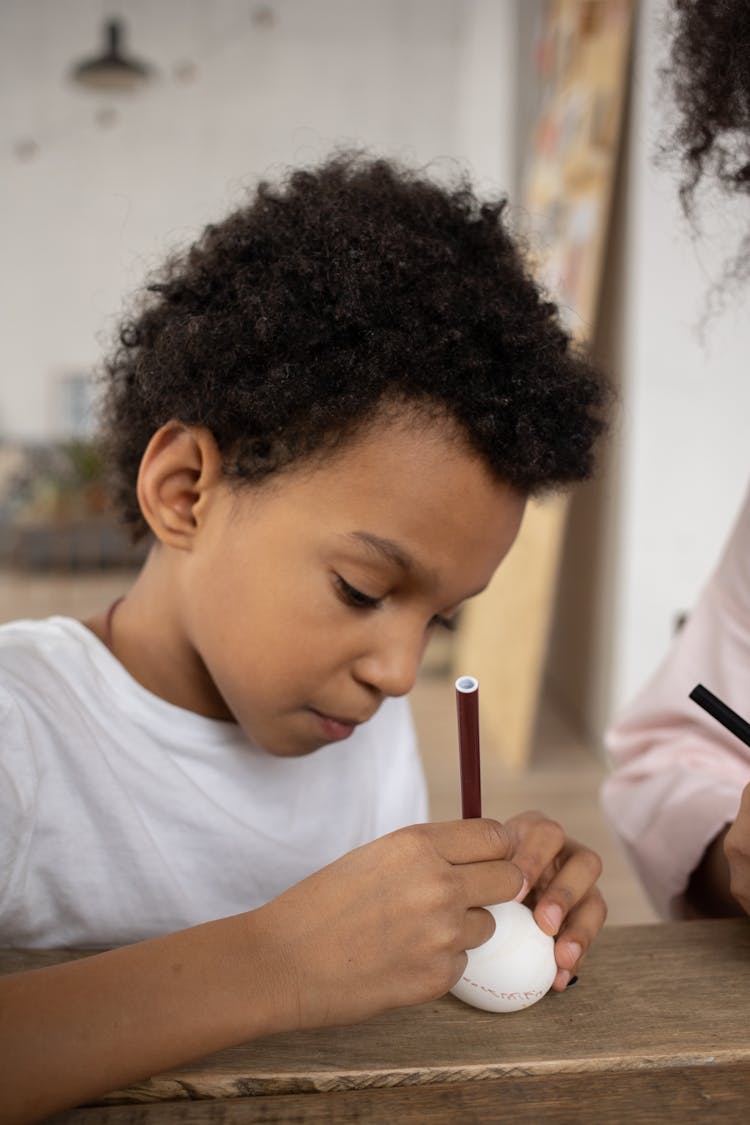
x=571 y=982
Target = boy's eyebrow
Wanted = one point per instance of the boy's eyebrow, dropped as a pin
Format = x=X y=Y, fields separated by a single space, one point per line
x=388 y=549
x=392 y=551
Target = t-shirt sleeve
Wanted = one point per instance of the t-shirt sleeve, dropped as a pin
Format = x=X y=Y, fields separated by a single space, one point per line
x=677 y=774
x=17 y=798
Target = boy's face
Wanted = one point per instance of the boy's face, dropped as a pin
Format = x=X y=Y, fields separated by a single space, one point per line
x=310 y=599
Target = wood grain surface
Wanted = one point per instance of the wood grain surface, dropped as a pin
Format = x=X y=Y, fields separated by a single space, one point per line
x=661 y=1007
x=648 y=1097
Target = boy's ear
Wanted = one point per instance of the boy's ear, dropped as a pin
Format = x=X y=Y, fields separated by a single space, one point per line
x=177 y=472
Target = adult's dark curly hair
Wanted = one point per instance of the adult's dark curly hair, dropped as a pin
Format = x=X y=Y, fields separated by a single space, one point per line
x=709 y=76
x=350 y=286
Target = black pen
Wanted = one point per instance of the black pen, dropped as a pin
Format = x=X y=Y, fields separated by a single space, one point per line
x=723 y=714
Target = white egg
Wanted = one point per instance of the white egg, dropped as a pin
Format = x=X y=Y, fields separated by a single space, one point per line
x=512 y=970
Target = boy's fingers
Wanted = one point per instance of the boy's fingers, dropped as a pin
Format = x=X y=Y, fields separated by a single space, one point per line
x=478 y=927
x=581 y=927
x=469 y=841
x=568 y=886
x=539 y=845
x=490 y=882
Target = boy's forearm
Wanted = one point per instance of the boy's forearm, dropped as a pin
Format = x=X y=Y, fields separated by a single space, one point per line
x=71 y=1032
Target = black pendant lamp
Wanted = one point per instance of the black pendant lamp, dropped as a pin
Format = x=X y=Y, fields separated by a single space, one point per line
x=112 y=69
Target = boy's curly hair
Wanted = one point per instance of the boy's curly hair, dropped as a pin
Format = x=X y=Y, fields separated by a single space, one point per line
x=352 y=286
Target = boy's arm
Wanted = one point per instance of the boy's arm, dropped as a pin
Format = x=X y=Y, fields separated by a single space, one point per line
x=382 y=927
x=79 y=1029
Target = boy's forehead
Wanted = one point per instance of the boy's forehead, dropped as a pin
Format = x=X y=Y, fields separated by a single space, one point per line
x=394 y=494
x=400 y=437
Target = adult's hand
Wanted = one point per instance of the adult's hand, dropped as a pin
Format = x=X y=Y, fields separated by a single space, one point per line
x=737 y=852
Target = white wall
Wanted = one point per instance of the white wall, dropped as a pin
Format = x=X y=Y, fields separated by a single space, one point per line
x=681 y=458
x=686 y=454
x=96 y=205
x=428 y=80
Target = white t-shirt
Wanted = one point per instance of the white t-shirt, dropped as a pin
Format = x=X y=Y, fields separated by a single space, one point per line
x=123 y=816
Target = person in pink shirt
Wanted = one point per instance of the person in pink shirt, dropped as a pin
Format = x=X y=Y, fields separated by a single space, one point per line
x=679 y=793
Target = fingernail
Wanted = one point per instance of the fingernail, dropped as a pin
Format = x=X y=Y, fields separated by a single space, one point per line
x=571 y=982
x=523 y=891
x=553 y=918
x=575 y=951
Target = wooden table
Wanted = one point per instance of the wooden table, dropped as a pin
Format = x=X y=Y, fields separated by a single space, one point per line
x=657 y=1029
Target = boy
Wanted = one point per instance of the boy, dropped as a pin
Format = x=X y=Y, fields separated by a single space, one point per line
x=328 y=416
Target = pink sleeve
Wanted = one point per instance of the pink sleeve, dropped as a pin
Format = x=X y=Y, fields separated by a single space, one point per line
x=678 y=774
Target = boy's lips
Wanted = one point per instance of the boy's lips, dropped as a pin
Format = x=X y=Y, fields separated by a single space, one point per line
x=335 y=726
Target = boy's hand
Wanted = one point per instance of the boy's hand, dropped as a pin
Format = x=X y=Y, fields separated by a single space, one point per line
x=737 y=852
x=560 y=879
x=387 y=924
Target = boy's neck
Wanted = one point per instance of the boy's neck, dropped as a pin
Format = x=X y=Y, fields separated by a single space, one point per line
x=142 y=629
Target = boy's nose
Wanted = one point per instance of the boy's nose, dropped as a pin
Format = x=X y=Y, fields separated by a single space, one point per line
x=391 y=668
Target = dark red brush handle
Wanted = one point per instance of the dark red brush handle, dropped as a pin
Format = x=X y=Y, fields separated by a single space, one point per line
x=467 y=708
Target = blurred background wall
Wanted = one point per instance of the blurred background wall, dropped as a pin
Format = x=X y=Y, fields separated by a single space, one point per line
x=643 y=539
x=96 y=187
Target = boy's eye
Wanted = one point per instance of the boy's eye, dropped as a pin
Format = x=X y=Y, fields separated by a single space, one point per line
x=352 y=596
